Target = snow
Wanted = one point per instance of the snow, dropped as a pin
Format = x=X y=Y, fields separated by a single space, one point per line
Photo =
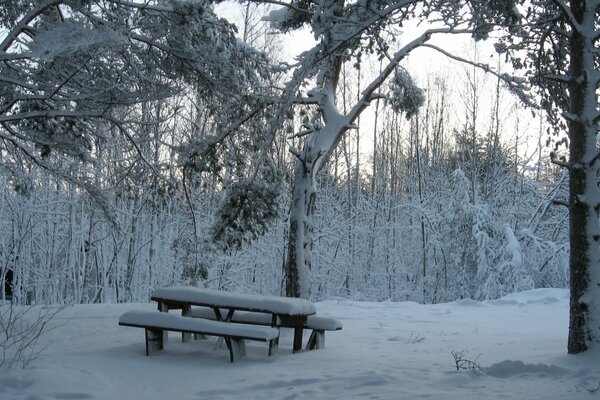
x=385 y=351
x=69 y=37
x=277 y=17
x=513 y=247
x=251 y=302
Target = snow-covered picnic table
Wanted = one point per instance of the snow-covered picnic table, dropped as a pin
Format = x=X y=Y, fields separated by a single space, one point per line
x=284 y=311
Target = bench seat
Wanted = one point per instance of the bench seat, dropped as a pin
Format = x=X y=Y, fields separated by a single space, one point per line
x=234 y=334
x=318 y=323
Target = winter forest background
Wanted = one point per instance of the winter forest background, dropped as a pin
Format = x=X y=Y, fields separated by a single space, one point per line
x=457 y=200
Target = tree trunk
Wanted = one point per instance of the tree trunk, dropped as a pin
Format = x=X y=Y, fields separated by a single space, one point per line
x=301 y=230
x=584 y=197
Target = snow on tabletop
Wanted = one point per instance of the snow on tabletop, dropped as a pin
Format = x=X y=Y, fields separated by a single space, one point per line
x=275 y=304
x=388 y=351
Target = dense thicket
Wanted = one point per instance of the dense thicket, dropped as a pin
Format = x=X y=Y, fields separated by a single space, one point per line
x=432 y=215
x=116 y=184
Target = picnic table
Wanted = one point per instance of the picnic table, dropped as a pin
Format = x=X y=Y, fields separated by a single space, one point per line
x=284 y=311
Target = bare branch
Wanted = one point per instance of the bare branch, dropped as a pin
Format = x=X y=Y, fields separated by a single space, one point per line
x=23 y=149
x=558 y=78
x=516 y=85
x=559 y=202
x=133 y=142
x=300 y=134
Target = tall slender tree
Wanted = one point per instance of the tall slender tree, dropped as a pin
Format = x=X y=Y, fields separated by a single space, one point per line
x=563 y=61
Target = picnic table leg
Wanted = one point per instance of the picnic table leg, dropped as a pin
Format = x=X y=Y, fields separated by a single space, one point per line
x=164 y=307
x=236 y=347
x=297 y=322
x=298 y=338
x=186 y=310
x=154 y=340
x=316 y=340
x=219 y=317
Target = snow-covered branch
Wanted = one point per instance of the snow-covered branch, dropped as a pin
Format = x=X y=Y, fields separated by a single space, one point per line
x=142 y=6
x=20 y=83
x=50 y=114
x=22 y=25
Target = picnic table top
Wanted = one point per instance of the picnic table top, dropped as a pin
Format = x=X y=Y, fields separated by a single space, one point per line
x=233 y=300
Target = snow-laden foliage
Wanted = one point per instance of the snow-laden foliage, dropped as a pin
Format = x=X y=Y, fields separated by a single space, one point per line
x=71 y=37
x=248 y=210
x=73 y=69
x=405 y=96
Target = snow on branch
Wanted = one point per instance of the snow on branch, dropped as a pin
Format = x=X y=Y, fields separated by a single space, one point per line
x=142 y=6
x=50 y=114
x=405 y=95
x=22 y=25
x=287 y=17
x=70 y=37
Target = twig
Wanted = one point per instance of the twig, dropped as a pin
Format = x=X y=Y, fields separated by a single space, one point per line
x=461 y=362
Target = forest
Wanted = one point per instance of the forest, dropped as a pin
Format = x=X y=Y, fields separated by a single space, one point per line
x=154 y=143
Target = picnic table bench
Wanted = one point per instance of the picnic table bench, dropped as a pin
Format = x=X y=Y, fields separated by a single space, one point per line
x=156 y=324
x=317 y=323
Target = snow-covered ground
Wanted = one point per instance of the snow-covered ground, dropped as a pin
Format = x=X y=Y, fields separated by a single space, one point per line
x=385 y=351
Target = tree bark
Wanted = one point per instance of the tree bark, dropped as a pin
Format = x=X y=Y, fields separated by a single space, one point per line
x=299 y=261
x=584 y=262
